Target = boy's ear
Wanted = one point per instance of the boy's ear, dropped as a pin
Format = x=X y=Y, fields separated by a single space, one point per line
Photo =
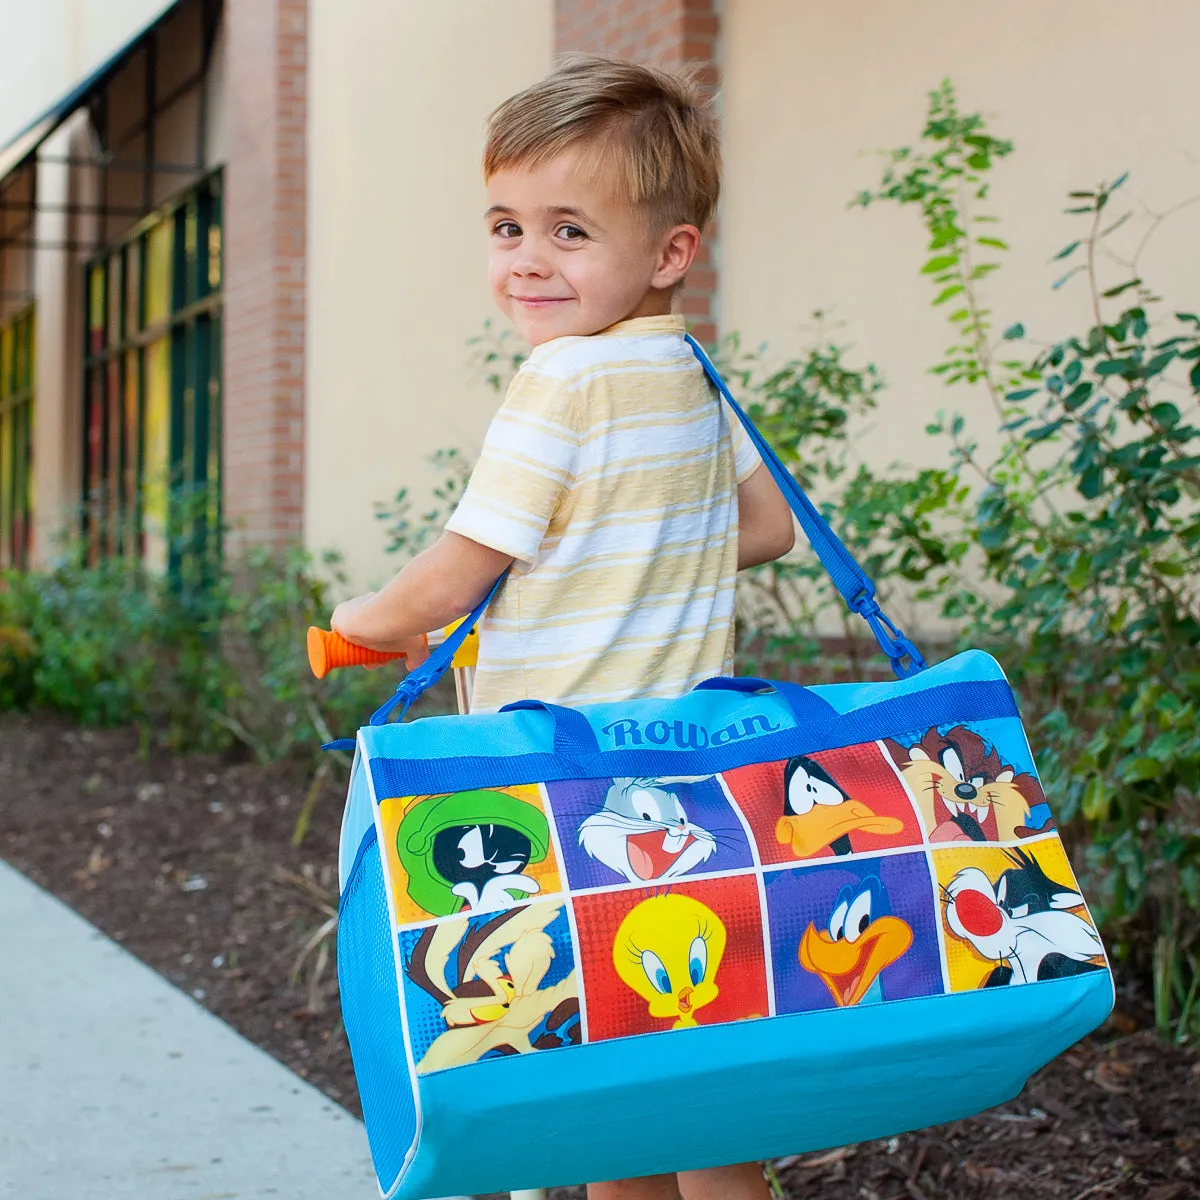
x=677 y=252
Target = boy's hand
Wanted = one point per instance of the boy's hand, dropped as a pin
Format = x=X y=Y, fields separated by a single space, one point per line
x=343 y=622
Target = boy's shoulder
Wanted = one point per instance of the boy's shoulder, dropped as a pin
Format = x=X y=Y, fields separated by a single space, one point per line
x=574 y=360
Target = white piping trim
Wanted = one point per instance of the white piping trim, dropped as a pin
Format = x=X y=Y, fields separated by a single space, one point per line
x=381 y=845
x=761 y=880
x=567 y=893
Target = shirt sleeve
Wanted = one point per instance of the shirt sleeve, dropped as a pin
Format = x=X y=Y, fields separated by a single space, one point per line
x=746 y=459
x=525 y=468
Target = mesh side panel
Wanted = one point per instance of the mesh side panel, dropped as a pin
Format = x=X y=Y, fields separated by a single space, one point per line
x=371 y=1011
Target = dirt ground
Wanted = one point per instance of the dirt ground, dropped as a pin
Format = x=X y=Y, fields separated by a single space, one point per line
x=189 y=863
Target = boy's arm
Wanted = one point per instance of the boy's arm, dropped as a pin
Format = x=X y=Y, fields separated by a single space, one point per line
x=440 y=585
x=765 y=528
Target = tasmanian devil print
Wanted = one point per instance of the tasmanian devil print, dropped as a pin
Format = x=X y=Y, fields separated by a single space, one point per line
x=643 y=831
x=1022 y=923
x=966 y=793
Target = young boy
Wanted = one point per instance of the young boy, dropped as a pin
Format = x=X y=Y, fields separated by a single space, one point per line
x=611 y=481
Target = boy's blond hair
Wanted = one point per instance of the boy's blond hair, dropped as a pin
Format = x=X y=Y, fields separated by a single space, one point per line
x=651 y=129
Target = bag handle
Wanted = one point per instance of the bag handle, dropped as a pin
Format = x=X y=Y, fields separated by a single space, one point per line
x=573 y=735
x=807 y=707
x=854 y=584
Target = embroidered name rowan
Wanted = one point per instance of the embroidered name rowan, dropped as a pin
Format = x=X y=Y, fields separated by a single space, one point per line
x=685 y=736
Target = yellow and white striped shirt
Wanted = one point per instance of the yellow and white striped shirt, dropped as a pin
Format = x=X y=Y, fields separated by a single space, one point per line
x=610 y=475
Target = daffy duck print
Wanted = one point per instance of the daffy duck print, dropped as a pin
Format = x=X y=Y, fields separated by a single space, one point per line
x=498 y=1005
x=818 y=813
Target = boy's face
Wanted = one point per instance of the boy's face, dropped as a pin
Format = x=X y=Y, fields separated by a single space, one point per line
x=569 y=256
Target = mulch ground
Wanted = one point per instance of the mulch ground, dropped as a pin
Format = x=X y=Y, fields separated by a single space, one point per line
x=189 y=863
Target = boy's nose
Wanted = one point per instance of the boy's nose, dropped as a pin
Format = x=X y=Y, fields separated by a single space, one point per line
x=529 y=260
x=530 y=265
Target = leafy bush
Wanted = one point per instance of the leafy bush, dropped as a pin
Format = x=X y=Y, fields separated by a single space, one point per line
x=109 y=644
x=1072 y=550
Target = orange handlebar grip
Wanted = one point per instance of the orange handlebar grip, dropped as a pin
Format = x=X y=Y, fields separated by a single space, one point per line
x=327 y=650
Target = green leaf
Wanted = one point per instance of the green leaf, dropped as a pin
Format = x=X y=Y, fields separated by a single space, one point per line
x=1096 y=799
x=1073 y=271
x=1166 y=414
x=1080 y=573
x=1078 y=396
x=1140 y=769
x=1014 y=331
x=1167 y=567
x=942 y=262
x=1022 y=394
x=1090 y=483
x=1065 y=251
x=946 y=293
x=991 y=241
x=1121 y=287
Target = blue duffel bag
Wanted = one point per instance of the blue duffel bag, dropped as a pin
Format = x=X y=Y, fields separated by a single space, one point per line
x=848 y=905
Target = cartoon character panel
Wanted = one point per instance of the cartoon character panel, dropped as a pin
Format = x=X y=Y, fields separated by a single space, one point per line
x=851 y=933
x=973 y=783
x=498 y=984
x=672 y=958
x=826 y=804
x=478 y=851
x=1013 y=916
x=645 y=830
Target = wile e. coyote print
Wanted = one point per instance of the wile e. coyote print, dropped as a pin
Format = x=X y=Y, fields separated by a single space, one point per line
x=965 y=791
x=489 y=979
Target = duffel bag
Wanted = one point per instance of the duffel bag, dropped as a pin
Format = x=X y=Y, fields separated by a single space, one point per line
x=759 y=919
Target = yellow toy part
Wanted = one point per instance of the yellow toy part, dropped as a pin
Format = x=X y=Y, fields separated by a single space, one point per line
x=468 y=652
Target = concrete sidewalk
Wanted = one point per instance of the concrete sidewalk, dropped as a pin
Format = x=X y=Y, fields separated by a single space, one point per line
x=114 y=1085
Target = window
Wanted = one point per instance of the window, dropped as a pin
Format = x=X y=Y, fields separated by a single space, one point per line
x=152 y=391
x=16 y=440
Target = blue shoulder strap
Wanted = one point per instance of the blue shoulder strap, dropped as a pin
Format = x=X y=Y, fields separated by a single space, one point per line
x=433 y=668
x=848 y=577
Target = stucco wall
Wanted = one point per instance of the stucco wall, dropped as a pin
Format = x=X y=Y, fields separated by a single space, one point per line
x=398 y=97
x=1085 y=88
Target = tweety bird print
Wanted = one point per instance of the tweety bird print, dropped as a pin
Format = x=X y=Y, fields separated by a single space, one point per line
x=668 y=949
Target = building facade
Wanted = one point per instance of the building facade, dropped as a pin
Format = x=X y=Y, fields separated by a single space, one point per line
x=242 y=254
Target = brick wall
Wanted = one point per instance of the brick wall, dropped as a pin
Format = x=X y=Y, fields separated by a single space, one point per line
x=668 y=33
x=263 y=470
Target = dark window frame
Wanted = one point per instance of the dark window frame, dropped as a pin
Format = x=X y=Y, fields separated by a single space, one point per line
x=157 y=291
x=18 y=333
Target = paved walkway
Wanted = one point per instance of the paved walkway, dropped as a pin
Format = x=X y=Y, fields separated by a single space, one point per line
x=114 y=1085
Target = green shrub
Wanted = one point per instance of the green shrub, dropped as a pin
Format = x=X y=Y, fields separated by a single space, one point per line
x=111 y=644
x=1072 y=550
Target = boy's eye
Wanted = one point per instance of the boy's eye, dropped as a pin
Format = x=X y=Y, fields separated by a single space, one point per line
x=570 y=233
x=506 y=229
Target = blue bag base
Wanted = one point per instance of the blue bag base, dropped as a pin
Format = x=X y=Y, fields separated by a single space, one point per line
x=754 y=1090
